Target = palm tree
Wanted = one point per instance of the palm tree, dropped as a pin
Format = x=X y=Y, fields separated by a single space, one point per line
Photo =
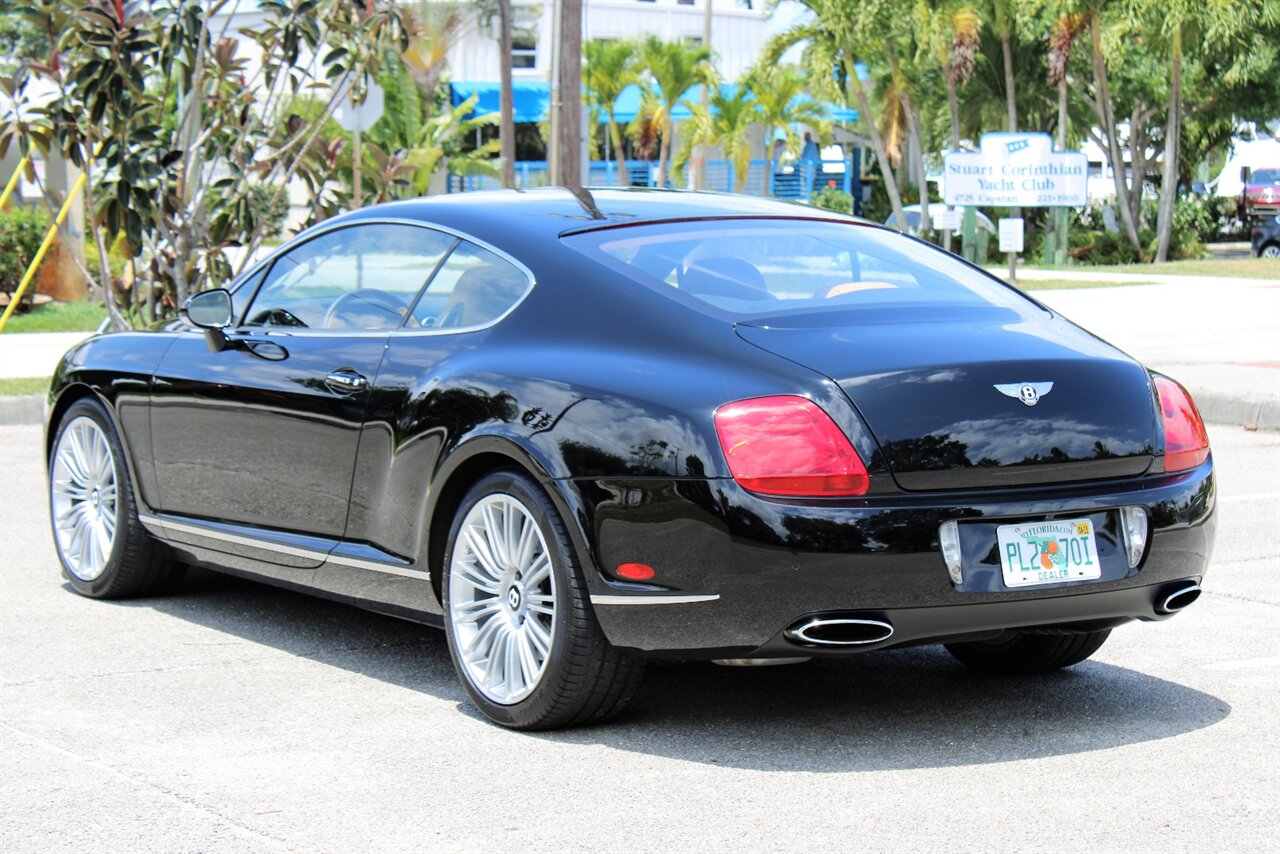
x=1003 y=23
x=610 y=68
x=432 y=29
x=778 y=91
x=675 y=68
x=835 y=38
x=726 y=121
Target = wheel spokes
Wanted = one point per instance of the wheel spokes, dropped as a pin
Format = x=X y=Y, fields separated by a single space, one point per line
x=501 y=599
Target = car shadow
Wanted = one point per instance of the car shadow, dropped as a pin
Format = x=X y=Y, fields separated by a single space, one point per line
x=896 y=709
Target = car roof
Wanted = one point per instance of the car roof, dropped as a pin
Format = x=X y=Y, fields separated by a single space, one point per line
x=554 y=211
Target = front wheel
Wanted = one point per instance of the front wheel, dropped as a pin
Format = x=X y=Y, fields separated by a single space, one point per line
x=521 y=631
x=1271 y=250
x=1021 y=653
x=104 y=550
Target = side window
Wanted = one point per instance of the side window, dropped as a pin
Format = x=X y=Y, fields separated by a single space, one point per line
x=240 y=296
x=472 y=288
x=360 y=277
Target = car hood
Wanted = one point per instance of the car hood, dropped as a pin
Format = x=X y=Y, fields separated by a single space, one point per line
x=935 y=392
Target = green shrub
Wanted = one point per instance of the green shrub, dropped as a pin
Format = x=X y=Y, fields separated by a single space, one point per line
x=22 y=230
x=832 y=199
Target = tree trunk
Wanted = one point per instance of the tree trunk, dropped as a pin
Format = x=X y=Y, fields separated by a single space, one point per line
x=1172 y=132
x=1062 y=113
x=571 y=94
x=917 y=149
x=1011 y=103
x=1137 y=163
x=615 y=134
x=877 y=145
x=506 y=102
x=953 y=104
x=664 y=148
x=1108 y=122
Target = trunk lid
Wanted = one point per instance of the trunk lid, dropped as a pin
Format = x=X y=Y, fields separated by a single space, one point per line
x=926 y=383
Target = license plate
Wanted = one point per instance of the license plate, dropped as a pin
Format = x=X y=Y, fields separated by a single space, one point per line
x=1048 y=553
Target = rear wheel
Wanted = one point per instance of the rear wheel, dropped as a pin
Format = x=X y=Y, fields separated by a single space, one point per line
x=521 y=631
x=1271 y=250
x=1019 y=652
x=104 y=550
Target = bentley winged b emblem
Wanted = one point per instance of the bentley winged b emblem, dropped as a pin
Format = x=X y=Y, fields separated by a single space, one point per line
x=1028 y=393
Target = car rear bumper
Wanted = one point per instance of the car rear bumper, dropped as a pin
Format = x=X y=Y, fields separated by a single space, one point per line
x=735 y=571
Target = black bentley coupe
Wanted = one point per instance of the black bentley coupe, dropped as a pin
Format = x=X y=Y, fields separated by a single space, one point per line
x=585 y=430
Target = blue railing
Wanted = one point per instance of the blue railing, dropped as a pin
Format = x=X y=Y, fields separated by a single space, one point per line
x=788 y=179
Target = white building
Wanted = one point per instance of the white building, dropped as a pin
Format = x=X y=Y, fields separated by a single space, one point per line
x=739 y=30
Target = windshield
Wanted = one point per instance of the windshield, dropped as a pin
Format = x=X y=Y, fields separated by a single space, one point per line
x=751 y=268
x=1266 y=176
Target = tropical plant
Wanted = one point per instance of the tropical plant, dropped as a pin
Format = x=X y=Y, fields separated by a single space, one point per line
x=837 y=37
x=610 y=68
x=674 y=68
x=184 y=188
x=726 y=121
x=781 y=96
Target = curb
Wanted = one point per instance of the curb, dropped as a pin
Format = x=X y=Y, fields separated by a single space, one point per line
x=21 y=409
x=1235 y=411
x=1214 y=408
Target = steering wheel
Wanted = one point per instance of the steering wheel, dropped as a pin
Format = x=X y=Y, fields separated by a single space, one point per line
x=846 y=288
x=378 y=309
x=275 y=317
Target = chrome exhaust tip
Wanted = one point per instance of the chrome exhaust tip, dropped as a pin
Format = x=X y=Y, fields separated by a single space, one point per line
x=1179 y=599
x=840 y=631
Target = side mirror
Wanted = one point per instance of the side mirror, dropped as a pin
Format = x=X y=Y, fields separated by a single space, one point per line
x=212 y=312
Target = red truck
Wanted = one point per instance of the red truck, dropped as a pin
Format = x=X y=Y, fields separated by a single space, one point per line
x=1260 y=197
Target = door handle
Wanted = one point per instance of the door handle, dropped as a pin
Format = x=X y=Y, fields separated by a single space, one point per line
x=346 y=382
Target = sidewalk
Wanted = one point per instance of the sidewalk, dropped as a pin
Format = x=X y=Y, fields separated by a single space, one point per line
x=1220 y=337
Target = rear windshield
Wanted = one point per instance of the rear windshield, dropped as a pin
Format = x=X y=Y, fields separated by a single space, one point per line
x=749 y=268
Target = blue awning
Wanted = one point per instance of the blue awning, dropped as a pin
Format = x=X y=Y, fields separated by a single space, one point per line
x=532 y=101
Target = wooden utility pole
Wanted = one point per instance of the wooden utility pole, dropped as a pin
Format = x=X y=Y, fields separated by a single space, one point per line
x=569 y=136
x=506 y=107
x=700 y=152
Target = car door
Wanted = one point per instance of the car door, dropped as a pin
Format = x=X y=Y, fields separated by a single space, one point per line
x=264 y=433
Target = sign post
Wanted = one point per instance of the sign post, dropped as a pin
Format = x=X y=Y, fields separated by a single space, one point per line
x=1015 y=170
x=1011 y=241
x=357 y=119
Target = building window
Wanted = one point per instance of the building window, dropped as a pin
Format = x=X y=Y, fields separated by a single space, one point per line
x=524 y=50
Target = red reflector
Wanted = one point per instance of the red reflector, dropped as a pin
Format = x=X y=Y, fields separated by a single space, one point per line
x=635 y=571
x=1186 y=443
x=786 y=445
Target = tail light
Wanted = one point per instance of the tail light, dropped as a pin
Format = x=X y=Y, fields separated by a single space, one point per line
x=1186 y=444
x=786 y=445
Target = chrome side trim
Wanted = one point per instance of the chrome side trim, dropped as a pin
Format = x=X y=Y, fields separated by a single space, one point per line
x=375 y=566
x=241 y=540
x=159 y=525
x=651 y=599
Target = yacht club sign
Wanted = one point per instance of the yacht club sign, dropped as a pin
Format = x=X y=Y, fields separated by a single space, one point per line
x=1015 y=170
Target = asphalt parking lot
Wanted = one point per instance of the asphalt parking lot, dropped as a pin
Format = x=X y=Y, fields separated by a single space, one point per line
x=237 y=717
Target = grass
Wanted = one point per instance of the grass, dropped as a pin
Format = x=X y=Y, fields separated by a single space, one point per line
x=1240 y=268
x=1063 y=284
x=23 y=385
x=58 y=317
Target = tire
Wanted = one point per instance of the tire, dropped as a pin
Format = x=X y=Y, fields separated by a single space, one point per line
x=525 y=611
x=1271 y=250
x=104 y=550
x=1022 y=653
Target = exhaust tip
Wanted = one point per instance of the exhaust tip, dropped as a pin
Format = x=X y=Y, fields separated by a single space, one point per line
x=840 y=631
x=1179 y=599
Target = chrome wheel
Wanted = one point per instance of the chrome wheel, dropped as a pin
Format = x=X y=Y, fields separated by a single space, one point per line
x=85 y=498
x=502 y=603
